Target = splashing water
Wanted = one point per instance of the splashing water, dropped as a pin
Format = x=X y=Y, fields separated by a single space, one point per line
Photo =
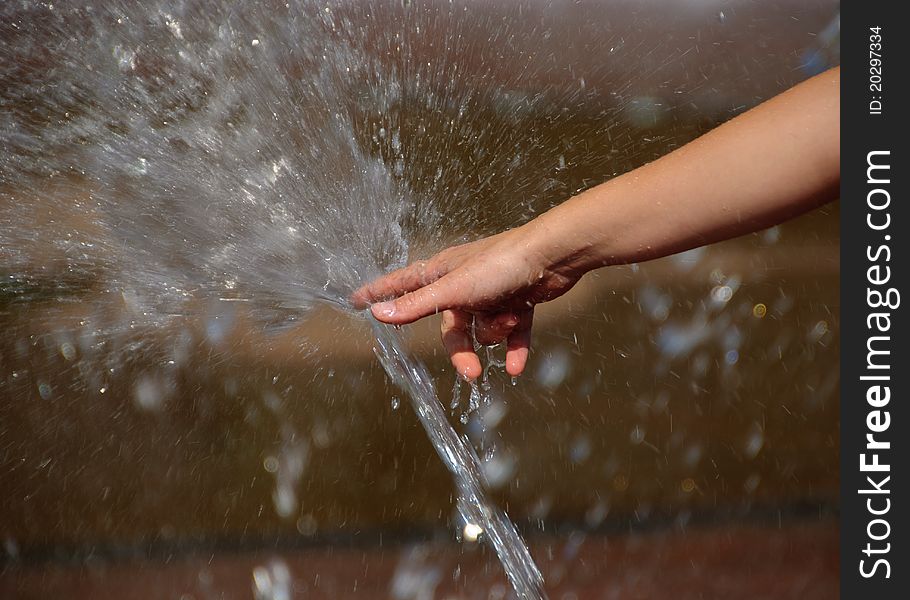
x=207 y=166
x=177 y=157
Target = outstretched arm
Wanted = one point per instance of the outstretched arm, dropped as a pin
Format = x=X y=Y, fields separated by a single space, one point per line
x=767 y=165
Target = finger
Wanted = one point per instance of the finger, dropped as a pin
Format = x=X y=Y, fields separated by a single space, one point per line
x=456 y=337
x=442 y=295
x=399 y=282
x=519 y=345
x=491 y=329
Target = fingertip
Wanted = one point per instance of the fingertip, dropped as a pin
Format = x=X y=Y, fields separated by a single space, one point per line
x=516 y=360
x=385 y=311
x=519 y=346
x=467 y=364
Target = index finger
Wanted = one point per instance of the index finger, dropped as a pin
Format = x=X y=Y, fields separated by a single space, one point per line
x=423 y=302
x=397 y=283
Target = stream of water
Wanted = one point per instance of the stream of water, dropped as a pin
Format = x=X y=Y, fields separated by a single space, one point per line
x=480 y=515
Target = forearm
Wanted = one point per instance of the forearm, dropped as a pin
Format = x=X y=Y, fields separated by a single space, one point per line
x=773 y=162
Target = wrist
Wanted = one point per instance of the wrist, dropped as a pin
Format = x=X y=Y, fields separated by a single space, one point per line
x=560 y=240
x=613 y=223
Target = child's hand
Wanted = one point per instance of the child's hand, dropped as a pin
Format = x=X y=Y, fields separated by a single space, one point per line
x=771 y=163
x=491 y=285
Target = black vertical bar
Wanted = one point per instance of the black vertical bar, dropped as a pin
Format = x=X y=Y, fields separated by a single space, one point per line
x=874 y=370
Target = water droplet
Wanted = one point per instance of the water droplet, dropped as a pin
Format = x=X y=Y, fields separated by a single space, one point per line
x=472 y=532
x=11 y=547
x=772 y=235
x=270 y=464
x=149 y=393
x=272 y=582
x=818 y=331
x=754 y=442
x=307 y=525
x=751 y=483
x=44 y=390
x=580 y=449
x=721 y=294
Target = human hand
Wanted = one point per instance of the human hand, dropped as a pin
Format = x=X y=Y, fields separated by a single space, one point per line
x=489 y=286
x=734 y=180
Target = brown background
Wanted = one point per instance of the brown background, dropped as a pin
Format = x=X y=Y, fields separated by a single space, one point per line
x=712 y=466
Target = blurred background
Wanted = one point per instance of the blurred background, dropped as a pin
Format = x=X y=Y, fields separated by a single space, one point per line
x=675 y=435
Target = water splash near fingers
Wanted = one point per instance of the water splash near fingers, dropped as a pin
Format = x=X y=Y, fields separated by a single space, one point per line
x=483 y=520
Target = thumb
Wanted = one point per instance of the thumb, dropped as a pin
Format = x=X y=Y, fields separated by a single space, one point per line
x=428 y=300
